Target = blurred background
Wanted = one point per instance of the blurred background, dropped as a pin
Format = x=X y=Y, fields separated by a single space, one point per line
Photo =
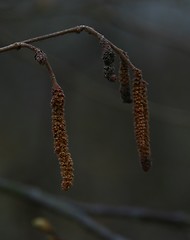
x=156 y=35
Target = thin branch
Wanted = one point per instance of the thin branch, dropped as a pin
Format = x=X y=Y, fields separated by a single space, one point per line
x=40 y=56
x=59 y=205
x=162 y=112
x=77 y=29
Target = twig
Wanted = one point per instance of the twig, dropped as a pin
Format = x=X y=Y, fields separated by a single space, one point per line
x=77 y=29
x=61 y=206
x=40 y=56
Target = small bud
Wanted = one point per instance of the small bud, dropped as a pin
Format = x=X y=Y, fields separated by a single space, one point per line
x=40 y=57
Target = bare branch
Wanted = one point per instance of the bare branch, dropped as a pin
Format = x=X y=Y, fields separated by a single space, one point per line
x=58 y=205
x=77 y=29
x=40 y=56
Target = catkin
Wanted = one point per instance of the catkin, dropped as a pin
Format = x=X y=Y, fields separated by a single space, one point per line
x=141 y=120
x=60 y=137
x=108 y=57
x=124 y=80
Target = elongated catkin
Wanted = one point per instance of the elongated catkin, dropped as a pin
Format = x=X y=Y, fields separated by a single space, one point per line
x=141 y=120
x=124 y=80
x=60 y=137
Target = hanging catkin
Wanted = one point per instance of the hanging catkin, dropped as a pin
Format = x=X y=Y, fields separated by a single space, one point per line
x=60 y=137
x=108 y=57
x=141 y=120
x=124 y=80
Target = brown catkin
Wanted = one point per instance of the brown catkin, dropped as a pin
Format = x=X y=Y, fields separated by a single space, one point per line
x=60 y=137
x=141 y=120
x=108 y=57
x=124 y=80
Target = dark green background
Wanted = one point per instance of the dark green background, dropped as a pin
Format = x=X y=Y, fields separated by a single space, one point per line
x=156 y=35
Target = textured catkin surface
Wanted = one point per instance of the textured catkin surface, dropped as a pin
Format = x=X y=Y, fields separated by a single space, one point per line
x=108 y=57
x=124 y=80
x=141 y=121
x=60 y=137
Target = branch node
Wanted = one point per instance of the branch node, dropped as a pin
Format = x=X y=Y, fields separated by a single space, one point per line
x=80 y=28
x=17 y=45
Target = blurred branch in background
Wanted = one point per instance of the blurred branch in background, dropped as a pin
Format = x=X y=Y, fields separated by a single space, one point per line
x=78 y=211
x=61 y=206
x=178 y=219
